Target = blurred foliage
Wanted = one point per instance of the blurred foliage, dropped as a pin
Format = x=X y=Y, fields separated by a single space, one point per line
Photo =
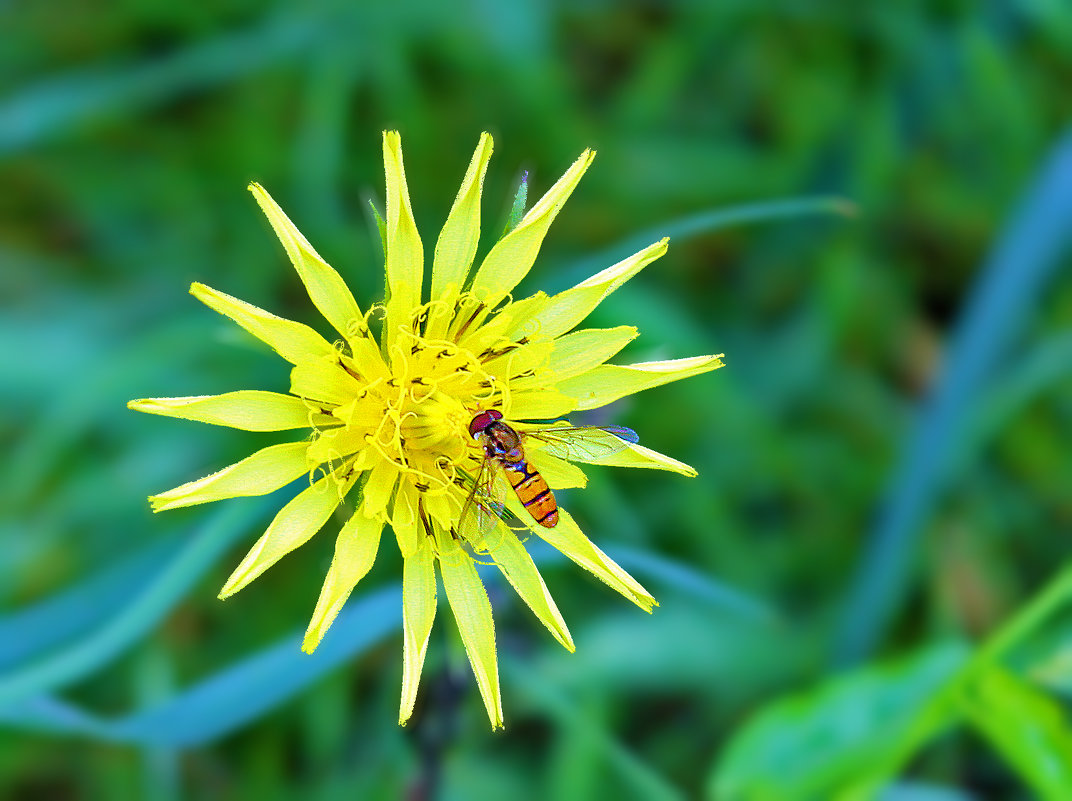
x=126 y=140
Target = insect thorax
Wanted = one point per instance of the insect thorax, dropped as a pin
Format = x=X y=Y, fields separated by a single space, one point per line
x=502 y=442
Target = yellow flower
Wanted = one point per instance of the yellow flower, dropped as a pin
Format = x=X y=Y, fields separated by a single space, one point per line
x=390 y=417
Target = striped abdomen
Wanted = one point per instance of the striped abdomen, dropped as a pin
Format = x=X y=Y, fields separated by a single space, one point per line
x=533 y=492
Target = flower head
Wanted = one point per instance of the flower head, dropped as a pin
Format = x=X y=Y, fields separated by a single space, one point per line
x=388 y=420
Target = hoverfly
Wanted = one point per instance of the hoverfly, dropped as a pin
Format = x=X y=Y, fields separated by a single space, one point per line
x=504 y=449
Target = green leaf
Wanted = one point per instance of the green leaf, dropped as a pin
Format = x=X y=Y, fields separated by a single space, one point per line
x=1030 y=730
x=848 y=732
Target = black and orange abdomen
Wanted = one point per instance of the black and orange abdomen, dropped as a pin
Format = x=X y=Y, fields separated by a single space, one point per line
x=533 y=492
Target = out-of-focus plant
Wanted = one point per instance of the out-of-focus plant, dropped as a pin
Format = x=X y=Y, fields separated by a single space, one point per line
x=125 y=136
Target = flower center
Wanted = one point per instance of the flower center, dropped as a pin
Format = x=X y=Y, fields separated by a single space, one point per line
x=419 y=417
x=434 y=423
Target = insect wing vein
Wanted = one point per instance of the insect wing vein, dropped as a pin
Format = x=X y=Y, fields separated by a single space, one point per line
x=484 y=506
x=585 y=443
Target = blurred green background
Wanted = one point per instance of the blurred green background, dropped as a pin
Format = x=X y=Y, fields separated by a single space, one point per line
x=884 y=473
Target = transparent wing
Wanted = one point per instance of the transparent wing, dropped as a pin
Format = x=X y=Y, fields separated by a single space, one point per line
x=485 y=505
x=584 y=443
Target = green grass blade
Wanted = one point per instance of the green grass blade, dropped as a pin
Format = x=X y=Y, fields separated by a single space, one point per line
x=29 y=632
x=58 y=103
x=143 y=611
x=1017 y=270
x=682 y=578
x=703 y=222
x=673 y=575
x=232 y=697
x=243 y=693
x=1033 y=375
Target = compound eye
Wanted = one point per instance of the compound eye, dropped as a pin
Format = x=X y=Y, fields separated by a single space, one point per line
x=480 y=423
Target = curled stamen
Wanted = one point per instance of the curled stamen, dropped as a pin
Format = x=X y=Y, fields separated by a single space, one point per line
x=495 y=388
x=438 y=311
x=358 y=327
x=401 y=362
x=507 y=300
x=317 y=473
x=313 y=408
x=424 y=312
x=393 y=440
x=433 y=388
x=529 y=330
x=342 y=347
x=469 y=306
x=447 y=468
x=342 y=474
x=481 y=314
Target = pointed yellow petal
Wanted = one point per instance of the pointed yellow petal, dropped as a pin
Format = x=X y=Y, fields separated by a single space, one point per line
x=515 y=563
x=472 y=611
x=336 y=444
x=558 y=473
x=601 y=385
x=295 y=524
x=361 y=413
x=566 y=310
x=324 y=381
x=379 y=487
x=520 y=364
x=355 y=551
x=540 y=404
x=418 y=613
x=366 y=359
x=582 y=350
x=458 y=240
x=444 y=509
x=326 y=288
x=249 y=410
x=293 y=341
x=404 y=518
x=639 y=456
x=569 y=539
x=510 y=323
x=405 y=253
x=265 y=471
x=513 y=255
